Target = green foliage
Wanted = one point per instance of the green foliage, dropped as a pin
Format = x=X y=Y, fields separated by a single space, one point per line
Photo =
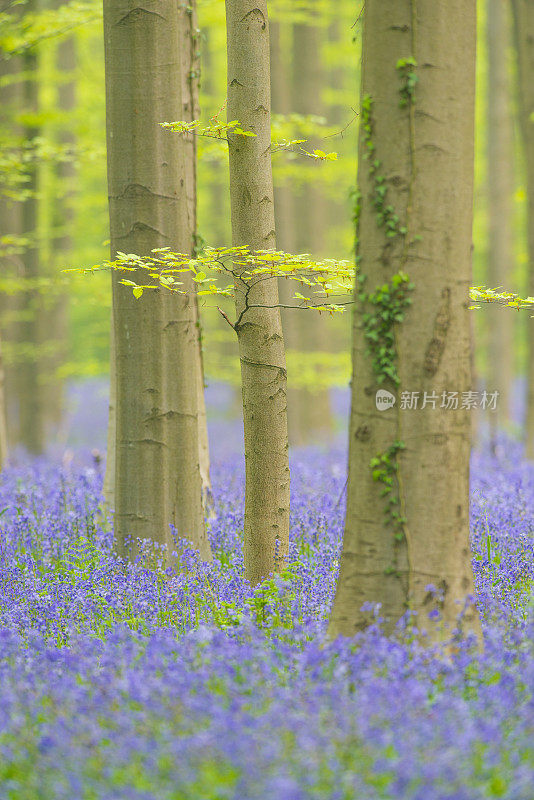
x=214 y=131
x=220 y=131
x=389 y=304
x=384 y=468
x=243 y=266
x=406 y=69
x=19 y=33
x=385 y=213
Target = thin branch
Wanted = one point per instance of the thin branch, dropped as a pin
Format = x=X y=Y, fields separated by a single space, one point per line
x=358 y=18
x=303 y=308
x=341 y=132
x=226 y=317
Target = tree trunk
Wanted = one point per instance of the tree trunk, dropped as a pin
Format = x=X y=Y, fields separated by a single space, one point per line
x=312 y=418
x=29 y=378
x=191 y=73
x=109 y=476
x=55 y=311
x=157 y=477
x=500 y=198
x=261 y=343
x=10 y=264
x=523 y=13
x=416 y=162
x=285 y=226
x=3 y=427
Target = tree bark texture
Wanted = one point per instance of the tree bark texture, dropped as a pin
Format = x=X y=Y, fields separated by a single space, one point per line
x=261 y=343
x=148 y=53
x=523 y=14
x=424 y=151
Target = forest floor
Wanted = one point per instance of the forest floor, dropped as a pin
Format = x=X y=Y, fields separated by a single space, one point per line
x=152 y=685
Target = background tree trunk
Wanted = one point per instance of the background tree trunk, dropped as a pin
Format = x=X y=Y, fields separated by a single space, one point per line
x=3 y=428
x=157 y=477
x=109 y=475
x=285 y=224
x=10 y=262
x=311 y=419
x=28 y=374
x=523 y=13
x=424 y=152
x=191 y=73
x=261 y=343
x=55 y=309
x=500 y=198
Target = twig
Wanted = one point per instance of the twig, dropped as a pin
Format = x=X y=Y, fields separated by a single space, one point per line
x=358 y=18
x=226 y=317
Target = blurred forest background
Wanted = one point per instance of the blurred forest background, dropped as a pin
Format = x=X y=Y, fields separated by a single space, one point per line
x=54 y=213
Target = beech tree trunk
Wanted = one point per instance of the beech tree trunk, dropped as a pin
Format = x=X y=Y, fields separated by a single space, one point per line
x=500 y=197
x=29 y=378
x=108 y=489
x=312 y=414
x=523 y=13
x=3 y=428
x=422 y=153
x=285 y=225
x=191 y=71
x=10 y=264
x=148 y=56
x=55 y=310
x=261 y=343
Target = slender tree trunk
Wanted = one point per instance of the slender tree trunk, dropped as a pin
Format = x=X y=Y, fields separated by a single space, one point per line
x=10 y=264
x=191 y=73
x=29 y=378
x=285 y=226
x=313 y=420
x=20 y=312
x=109 y=476
x=261 y=343
x=283 y=197
x=500 y=197
x=203 y=440
x=55 y=311
x=3 y=427
x=215 y=182
x=523 y=13
x=422 y=153
x=157 y=477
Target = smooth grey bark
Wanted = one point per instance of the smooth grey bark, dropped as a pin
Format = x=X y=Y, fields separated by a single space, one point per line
x=157 y=476
x=425 y=155
x=261 y=343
